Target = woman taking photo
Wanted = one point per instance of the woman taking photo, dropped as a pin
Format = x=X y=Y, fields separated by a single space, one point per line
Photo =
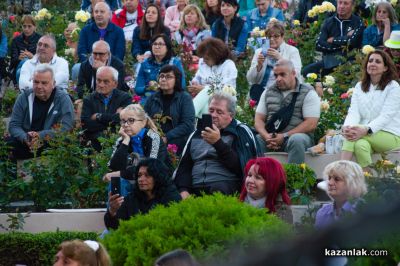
x=384 y=22
x=212 y=11
x=171 y=101
x=78 y=252
x=265 y=187
x=139 y=139
x=231 y=28
x=372 y=124
x=161 y=55
x=345 y=184
x=215 y=65
x=260 y=75
x=173 y=14
x=153 y=186
x=23 y=47
x=152 y=25
x=193 y=28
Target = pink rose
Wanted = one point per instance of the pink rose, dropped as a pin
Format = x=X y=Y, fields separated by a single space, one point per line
x=136 y=99
x=344 y=95
x=292 y=42
x=11 y=18
x=172 y=148
x=252 y=103
x=16 y=34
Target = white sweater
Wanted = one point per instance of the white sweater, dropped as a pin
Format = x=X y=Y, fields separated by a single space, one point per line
x=377 y=109
x=60 y=68
x=287 y=51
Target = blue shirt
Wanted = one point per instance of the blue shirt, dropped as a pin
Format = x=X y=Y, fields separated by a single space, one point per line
x=254 y=19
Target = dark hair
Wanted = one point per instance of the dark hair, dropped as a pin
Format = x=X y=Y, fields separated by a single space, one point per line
x=214 y=48
x=145 y=30
x=177 y=257
x=168 y=45
x=209 y=10
x=233 y=3
x=177 y=73
x=389 y=75
x=159 y=171
x=275 y=181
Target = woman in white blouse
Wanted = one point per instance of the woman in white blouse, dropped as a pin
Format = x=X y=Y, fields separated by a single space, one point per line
x=372 y=124
x=260 y=71
x=216 y=70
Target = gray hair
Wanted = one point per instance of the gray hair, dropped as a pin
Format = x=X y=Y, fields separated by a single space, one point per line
x=285 y=63
x=95 y=44
x=108 y=7
x=231 y=101
x=114 y=72
x=43 y=68
x=352 y=174
x=52 y=40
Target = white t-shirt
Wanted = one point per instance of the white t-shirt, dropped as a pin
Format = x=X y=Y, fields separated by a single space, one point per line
x=311 y=104
x=130 y=25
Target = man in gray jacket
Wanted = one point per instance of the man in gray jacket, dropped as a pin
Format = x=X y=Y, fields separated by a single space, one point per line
x=35 y=113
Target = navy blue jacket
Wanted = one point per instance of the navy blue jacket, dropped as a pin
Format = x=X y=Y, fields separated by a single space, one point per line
x=90 y=34
x=139 y=46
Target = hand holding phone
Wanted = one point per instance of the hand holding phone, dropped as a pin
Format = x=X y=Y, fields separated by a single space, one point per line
x=265 y=46
x=206 y=121
x=115 y=186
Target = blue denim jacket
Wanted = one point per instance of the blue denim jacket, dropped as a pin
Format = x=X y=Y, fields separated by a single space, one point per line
x=254 y=19
x=148 y=71
x=3 y=45
x=373 y=38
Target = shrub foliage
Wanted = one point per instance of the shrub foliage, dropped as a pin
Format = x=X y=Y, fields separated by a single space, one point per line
x=205 y=226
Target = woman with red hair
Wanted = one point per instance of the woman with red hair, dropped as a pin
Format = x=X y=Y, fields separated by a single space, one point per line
x=265 y=186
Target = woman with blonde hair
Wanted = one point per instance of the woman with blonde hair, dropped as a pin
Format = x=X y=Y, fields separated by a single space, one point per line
x=173 y=15
x=345 y=185
x=193 y=28
x=139 y=139
x=82 y=253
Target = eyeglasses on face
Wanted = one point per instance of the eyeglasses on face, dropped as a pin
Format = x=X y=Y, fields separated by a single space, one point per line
x=167 y=77
x=99 y=54
x=129 y=121
x=158 y=44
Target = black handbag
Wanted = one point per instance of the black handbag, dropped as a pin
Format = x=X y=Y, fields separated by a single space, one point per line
x=280 y=120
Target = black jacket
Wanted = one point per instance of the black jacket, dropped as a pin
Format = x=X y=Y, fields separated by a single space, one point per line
x=181 y=112
x=18 y=44
x=153 y=147
x=93 y=104
x=334 y=27
x=87 y=76
x=136 y=203
x=236 y=28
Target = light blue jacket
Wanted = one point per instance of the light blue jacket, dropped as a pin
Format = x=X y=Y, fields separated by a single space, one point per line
x=254 y=19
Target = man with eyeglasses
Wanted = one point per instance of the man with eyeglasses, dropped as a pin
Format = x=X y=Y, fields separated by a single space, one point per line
x=262 y=14
x=45 y=54
x=101 y=56
x=101 y=29
x=101 y=108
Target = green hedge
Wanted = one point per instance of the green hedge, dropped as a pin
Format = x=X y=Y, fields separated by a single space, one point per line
x=35 y=249
x=205 y=226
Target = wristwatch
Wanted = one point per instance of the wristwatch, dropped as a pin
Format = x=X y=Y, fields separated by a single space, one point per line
x=285 y=136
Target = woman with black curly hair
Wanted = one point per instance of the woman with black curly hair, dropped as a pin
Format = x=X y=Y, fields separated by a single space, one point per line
x=153 y=186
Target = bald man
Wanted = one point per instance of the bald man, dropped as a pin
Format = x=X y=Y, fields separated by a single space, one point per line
x=101 y=29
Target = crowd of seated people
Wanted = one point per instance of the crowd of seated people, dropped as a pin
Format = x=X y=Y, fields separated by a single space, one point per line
x=226 y=155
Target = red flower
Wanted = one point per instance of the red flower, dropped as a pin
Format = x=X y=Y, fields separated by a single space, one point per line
x=11 y=18
x=172 y=148
x=16 y=34
x=136 y=99
x=292 y=42
x=252 y=103
x=344 y=95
